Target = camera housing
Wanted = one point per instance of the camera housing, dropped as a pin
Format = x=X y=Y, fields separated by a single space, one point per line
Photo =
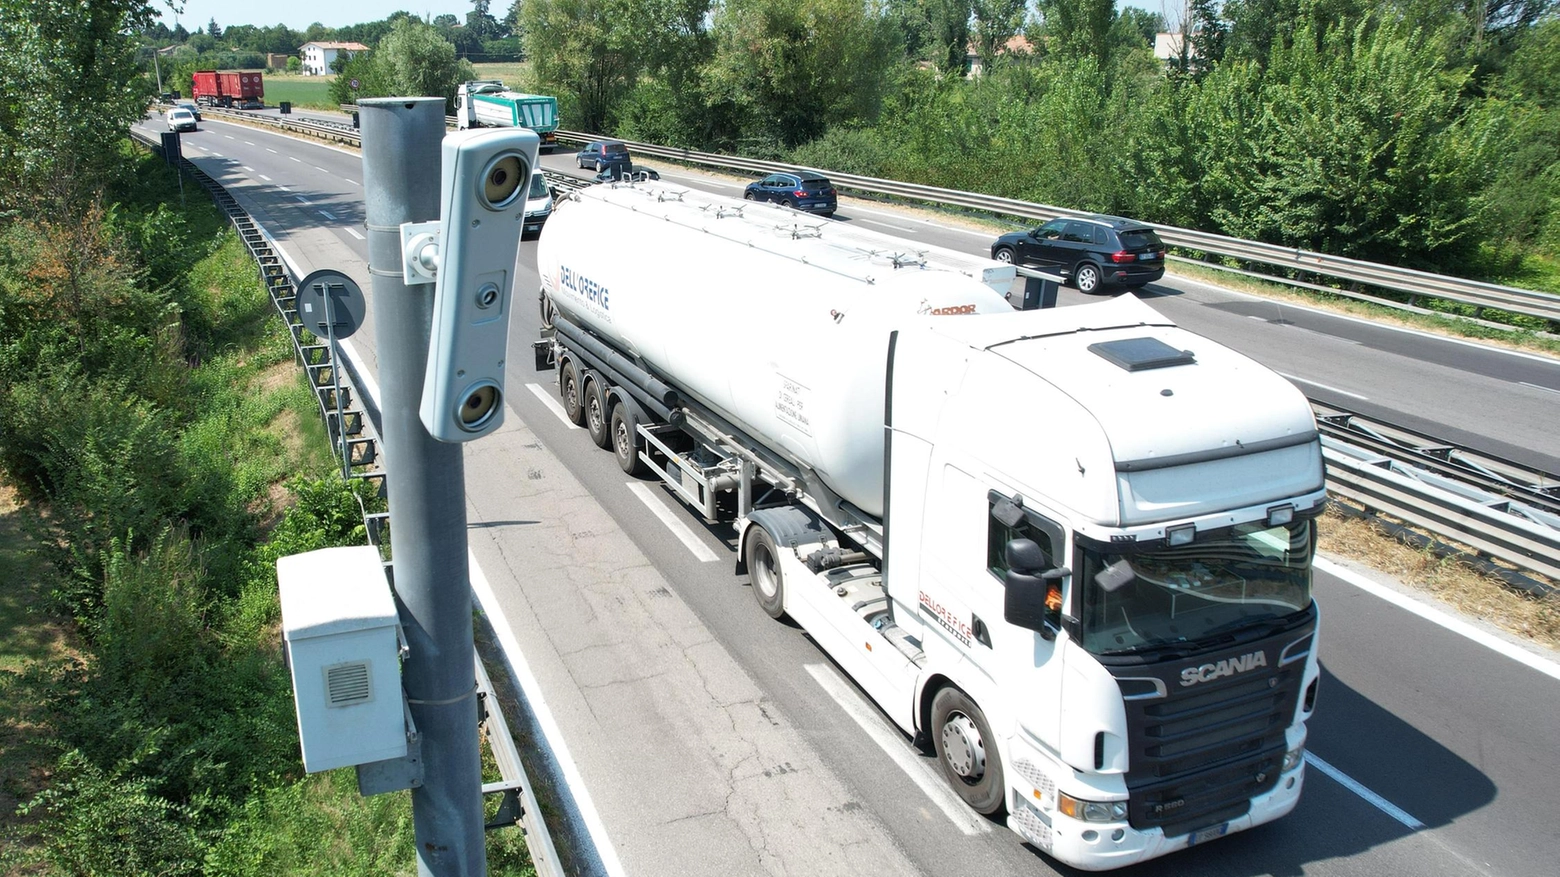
x=486 y=174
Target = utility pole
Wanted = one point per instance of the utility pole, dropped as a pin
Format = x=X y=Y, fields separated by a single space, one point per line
x=401 y=183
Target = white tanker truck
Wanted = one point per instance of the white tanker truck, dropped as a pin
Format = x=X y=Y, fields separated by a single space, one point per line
x=1068 y=549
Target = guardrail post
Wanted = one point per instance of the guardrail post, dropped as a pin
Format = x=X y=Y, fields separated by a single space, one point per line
x=401 y=181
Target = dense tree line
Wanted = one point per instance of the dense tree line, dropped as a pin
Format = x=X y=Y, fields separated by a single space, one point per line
x=1419 y=132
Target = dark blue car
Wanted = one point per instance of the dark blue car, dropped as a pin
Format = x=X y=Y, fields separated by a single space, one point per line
x=810 y=192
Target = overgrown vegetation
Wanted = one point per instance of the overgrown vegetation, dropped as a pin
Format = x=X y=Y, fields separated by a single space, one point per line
x=158 y=452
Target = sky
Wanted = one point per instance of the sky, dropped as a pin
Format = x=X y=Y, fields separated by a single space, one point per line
x=299 y=14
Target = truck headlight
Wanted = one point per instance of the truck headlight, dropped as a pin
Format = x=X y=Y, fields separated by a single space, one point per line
x=1091 y=811
x=1292 y=759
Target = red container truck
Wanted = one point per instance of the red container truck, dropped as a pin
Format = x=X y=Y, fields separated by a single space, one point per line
x=236 y=88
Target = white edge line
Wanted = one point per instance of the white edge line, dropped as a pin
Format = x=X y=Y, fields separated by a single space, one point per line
x=552 y=404
x=701 y=552
x=1324 y=387
x=1370 y=797
x=1435 y=616
x=915 y=768
x=1539 y=387
x=533 y=692
x=544 y=717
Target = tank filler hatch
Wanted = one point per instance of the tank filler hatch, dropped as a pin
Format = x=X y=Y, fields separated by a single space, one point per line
x=1142 y=354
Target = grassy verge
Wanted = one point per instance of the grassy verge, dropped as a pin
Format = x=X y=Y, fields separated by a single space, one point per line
x=312 y=92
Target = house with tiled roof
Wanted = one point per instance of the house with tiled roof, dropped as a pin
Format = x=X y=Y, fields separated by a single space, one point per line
x=318 y=56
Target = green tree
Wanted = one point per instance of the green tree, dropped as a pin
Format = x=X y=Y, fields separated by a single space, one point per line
x=212 y=30
x=792 y=68
x=72 y=87
x=592 y=52
x=948 y=24
x=996 y=22
x=413 y=60
x=1079 y=28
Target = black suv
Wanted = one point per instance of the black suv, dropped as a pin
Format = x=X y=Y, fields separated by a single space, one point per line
x=1090 y=251
x=804 y=191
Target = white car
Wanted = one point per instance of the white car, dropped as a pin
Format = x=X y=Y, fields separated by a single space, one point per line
x=538 y=204
x=181 y=119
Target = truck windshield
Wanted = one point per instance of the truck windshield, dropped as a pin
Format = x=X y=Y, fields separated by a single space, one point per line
x=1222 y=584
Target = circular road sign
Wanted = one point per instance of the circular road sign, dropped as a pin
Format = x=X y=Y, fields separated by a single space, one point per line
x=328 y=294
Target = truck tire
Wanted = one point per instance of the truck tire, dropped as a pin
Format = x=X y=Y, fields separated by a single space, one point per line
x=622 y=427
x=596 y=414
x=763 y=566
x=967 y=752
x=569 y=389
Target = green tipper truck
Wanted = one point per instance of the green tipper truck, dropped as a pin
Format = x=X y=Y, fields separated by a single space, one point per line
x=488 y=104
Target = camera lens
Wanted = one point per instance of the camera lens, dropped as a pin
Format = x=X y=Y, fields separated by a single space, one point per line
x=502 y=181
x=480 y=404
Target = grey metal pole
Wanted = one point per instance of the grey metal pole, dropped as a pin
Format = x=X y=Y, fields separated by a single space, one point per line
x=401 y=159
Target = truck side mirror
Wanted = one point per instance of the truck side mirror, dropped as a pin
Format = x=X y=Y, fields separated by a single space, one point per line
x=1032 y=597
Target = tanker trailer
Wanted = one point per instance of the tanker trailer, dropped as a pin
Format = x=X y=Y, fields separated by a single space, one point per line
x=1067 y=550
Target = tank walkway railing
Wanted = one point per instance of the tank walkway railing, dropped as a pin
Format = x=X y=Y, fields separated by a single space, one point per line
x=356 y=444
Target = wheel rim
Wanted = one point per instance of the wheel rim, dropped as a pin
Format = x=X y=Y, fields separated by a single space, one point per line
x=1087 y=279
x=963 y=749
x=762 y=569
x=1004 y=256
x=571 y=394
x=596 y=422
x=625 y=445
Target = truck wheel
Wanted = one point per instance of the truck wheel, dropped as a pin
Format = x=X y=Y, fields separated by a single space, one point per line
x=596 y=415
x=967 y=752
x=763 y=564
x=622 y=428
x=569 y=389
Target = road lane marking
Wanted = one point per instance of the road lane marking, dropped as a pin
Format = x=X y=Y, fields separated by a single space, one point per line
x=270 y=150
x=228 y=136
x=1323 y=386
x=302 y=199
x=250 y=142
x=327 y=214
x=1539 y=387
x=552 y=404
x=701 y=552
x=284 y=188
x=1370 y=797
x=353 y=182
x=266 y=178
x=918 y=769
x=354 y=232
x=893 y=226
x=544 y=717
x=296 y=158
x=214 y=152
x=1435 y=616
x=321 y=170
x=248 y=168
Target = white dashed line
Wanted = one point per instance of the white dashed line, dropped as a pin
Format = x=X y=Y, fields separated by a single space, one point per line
x=266 y=178
x=301 y=199
x=919 y=770
x=214 y=152
x=353 y=182
x=296 y=158
x=701 y=552
x=327 y=214
x=1324 y=386
x=321 y=170
x=284 y=188
x=272 y=151
x=354 y=232
x=248 y=168
x=551 y=403
x=228 y=136
x=1370 y=797
x=250 y=142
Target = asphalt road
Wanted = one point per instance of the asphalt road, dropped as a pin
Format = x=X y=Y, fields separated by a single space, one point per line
x=700 y=737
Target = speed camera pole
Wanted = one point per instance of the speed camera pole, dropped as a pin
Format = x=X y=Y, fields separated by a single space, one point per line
x=401 y=183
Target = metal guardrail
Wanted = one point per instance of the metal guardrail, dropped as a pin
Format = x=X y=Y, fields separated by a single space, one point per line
x=1479 y=295
x=357 y=446
x=1473 y=293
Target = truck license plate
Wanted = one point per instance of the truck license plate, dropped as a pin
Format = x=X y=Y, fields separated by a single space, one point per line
x=1206 y=834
